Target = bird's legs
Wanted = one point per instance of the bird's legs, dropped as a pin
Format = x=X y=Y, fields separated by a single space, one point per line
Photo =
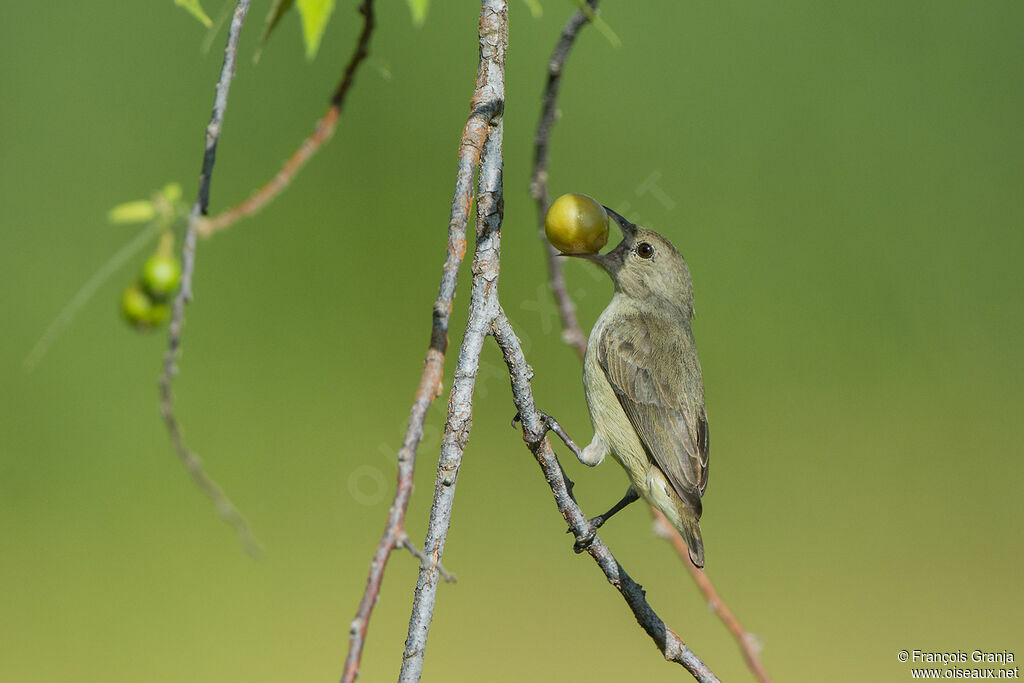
x=595 y=523
x=590 y=456
x=553 y=426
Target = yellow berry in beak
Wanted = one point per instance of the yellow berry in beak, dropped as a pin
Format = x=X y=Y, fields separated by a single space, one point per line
x=576 y=224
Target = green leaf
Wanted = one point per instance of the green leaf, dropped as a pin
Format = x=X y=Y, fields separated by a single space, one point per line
x=139 y=211
x=196 y=10
x=419 y=11
x=315 y=14
x=273 y=16
x=536 y=11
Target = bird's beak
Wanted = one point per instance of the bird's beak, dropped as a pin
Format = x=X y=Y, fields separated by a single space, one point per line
x=627 y=228
x=612 y=261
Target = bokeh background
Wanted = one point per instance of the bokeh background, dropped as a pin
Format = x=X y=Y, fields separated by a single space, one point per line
x=845 y=180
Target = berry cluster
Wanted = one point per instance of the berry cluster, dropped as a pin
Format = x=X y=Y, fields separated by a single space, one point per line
x=145 y=303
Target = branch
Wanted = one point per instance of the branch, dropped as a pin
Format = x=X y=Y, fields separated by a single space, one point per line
x=670 y=645
x=323 y=132
x=482 y=109
x=483 y=307
x=572 y=334
x=192 y=463
x=445 y=574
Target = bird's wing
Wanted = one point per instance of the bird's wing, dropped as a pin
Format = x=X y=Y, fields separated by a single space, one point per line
x=662 y=393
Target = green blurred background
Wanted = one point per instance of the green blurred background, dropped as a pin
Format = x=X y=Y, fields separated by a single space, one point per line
x=845 y=180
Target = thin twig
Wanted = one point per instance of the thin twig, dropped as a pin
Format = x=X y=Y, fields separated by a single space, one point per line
x=667 y=641
x=483 y=108
x=446 y=575
x=322 y=132
x=483 y=307
x=747 y=641
x=192 y=463
x=572 y=333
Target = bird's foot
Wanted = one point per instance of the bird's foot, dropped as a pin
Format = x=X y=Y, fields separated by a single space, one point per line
x=594 y=523
x=584 y=541
x=551 y=425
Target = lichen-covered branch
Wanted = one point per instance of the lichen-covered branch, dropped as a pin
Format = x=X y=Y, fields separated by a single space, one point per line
x=571 y=332
x=667 y=641
x=322 y=132
x=483 y=108
x=483 y=308
x=192 y=463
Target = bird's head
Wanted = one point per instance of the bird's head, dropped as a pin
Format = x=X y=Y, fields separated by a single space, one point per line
x=647 y=267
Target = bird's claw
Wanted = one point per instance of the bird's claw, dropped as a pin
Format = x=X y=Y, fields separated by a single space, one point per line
x=550 y=424
x=545 y=420
x=583 y=544
x=585 y=540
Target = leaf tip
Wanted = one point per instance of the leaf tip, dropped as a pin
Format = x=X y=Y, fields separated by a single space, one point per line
x=196 y=10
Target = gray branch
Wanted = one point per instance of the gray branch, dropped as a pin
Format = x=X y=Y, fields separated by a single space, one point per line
x=484 y=107
x=483 y=308
x=192 y=463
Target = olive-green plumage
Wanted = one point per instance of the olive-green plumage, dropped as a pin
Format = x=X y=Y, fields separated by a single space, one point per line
x=643 y=381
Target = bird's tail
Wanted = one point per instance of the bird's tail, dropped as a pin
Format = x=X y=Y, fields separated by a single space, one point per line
x=689 y=529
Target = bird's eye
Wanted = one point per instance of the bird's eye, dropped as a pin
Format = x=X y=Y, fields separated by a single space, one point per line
x=644 y=250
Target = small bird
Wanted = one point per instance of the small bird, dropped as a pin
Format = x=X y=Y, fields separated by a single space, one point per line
x=643 y=382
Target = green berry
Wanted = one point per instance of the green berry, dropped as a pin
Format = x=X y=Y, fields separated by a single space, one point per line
x=161 y=276
x=576 y=224
x=136 y=306
x=159 y=313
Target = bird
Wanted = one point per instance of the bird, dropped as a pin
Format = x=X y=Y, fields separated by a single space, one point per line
x=643 y=383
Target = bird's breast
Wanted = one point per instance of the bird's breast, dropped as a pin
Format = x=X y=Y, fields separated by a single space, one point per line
x=608 y=418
